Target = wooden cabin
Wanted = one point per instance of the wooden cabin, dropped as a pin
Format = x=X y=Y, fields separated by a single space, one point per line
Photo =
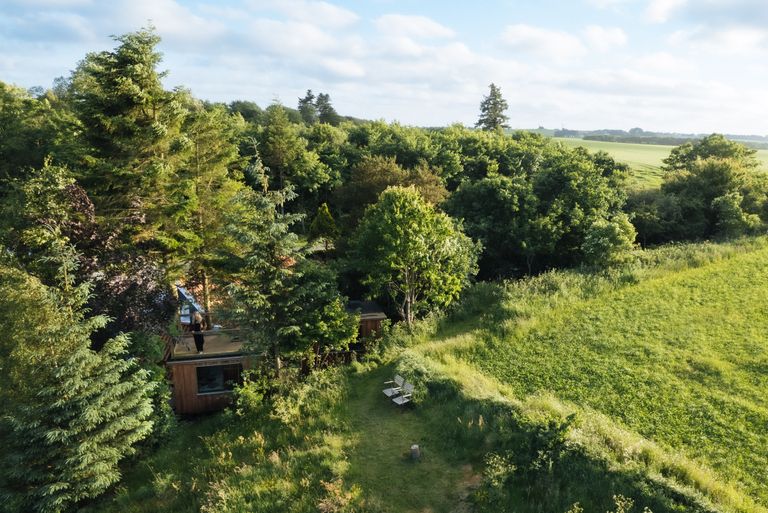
x=371 y=316
x=204 y=382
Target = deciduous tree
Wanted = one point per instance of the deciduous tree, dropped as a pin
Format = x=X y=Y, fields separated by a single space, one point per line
x=409 y=251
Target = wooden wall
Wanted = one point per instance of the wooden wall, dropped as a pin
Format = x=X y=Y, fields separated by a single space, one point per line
x=186 y=400
x=368 y=326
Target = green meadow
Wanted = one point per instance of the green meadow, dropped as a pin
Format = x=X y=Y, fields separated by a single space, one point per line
x=645 y=160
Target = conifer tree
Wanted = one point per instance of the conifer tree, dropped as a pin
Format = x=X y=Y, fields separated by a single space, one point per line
x=131 y=124
x=307 y=108
x=70 y=414
x=492 y=110
x=326 y=112
x=323 y=226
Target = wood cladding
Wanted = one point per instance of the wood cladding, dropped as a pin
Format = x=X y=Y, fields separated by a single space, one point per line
x=186 y=399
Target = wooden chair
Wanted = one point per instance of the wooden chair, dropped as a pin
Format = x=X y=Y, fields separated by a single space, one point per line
x=397 y=386
x=405 y=395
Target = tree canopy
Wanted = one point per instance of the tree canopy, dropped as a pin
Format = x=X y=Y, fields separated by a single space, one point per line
x=412 y=253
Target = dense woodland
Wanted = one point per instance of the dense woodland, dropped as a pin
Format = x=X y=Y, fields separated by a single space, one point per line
x=115 y=188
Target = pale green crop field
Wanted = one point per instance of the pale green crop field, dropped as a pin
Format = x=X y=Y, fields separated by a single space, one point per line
x=644 y=159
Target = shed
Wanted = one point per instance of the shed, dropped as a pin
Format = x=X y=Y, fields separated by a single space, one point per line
x=371 y=316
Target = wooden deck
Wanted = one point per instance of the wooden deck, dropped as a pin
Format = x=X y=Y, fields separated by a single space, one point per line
x=217 y=343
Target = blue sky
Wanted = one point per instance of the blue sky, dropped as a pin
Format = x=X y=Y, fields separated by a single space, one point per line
x=668 y=65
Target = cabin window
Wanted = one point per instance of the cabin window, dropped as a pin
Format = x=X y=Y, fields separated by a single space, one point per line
x=218 y=378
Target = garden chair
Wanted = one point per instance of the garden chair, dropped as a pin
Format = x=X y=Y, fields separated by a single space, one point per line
x=396 y=386
x=405 y=395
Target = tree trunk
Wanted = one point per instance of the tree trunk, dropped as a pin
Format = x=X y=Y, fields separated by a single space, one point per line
x=207 y=300
x=278 y=361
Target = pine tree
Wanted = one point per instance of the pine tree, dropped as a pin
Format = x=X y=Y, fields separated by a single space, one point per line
x=325 y=111
x=131 y=124
x=492 y=110
x=307 y=108
x=323 y=226
x=70 y=414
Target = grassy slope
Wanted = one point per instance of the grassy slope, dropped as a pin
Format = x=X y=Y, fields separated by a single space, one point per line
x=681 y=359
x=644 y=159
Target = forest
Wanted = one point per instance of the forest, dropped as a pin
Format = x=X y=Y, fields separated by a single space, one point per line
x=115 y=189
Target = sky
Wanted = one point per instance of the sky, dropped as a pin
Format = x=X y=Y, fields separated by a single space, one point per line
x=663 y=65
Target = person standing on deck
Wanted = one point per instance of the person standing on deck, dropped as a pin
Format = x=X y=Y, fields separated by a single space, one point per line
x=198 y=325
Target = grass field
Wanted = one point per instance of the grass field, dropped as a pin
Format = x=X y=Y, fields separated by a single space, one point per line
x=644 y=159
x=681 y=359
x=664 y=364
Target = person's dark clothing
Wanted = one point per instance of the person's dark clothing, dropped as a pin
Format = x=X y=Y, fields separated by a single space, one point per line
x=197 y=329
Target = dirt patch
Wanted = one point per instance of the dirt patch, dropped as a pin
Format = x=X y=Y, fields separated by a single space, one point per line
x=469 y=482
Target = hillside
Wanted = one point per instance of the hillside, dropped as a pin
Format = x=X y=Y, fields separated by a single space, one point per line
x=663 y=367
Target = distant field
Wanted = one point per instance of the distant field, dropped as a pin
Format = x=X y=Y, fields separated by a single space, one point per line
x=644 y=159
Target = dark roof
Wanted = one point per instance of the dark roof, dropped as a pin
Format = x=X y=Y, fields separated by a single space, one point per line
x=366 y=309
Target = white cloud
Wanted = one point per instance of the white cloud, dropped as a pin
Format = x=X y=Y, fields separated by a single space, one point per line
x=548 y=44
x=664 y=62
x=290 y=38
x=311 y=11
x=412 y=26
x=659 y=11
x=604 y=39
x=742 y=42
x=175 y=22
x=345 y=68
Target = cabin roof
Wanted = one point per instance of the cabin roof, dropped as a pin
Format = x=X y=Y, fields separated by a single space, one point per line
x=368 y=310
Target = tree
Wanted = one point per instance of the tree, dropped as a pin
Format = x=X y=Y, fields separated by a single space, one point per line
x=325 y=111
x=712 y=194
x=713 y=146
x=132 y=125
x=307 y=108
x=285 y=154
x=323 y=226
x=192 y=216
x=407 y=250
x=70 y=414
x=373 y=175
x=608 y=242
x=492 y=110
x=290 y=305
x=499 y=212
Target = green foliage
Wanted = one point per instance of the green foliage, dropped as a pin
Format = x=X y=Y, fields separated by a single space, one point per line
x=714 y=146
x=608 y=243
x=290 y=304
x=131 y=124
x=325 y=111
x=323 y=226
x=288 y=160
x=307 y=108
x=70 y=414
x=539 y=218
x=492 y=110
x=412 y=253
x=33 y=131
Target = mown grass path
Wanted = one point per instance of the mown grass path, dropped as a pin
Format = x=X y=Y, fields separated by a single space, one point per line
x=380 y=461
